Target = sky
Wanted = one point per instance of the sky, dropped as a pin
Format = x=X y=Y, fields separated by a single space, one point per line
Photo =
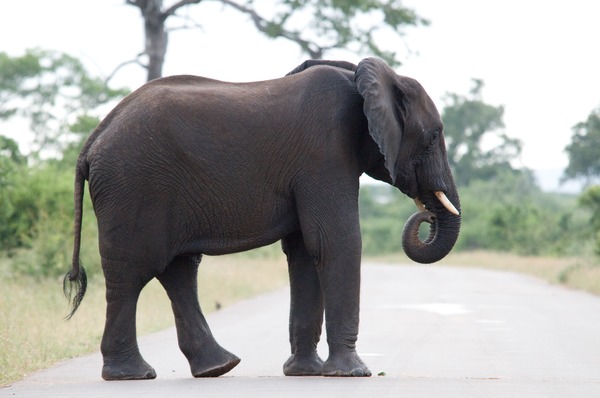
x=538 y=59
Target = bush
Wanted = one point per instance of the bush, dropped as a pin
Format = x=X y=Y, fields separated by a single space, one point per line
x=508 y=213
x=511 y=214
x=36 y=222
x=383 y=212
x=590 y=200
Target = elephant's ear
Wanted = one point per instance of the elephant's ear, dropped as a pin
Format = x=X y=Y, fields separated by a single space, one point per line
x=376 y=83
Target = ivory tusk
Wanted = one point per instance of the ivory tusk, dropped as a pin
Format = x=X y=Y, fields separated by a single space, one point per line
x=446 y=202
x=420 y=204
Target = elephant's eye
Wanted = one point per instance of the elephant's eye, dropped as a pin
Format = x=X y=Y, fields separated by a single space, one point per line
x=433 y=139
x=429 y=145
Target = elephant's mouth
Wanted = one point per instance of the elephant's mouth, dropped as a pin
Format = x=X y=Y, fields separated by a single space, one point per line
x=443 y=199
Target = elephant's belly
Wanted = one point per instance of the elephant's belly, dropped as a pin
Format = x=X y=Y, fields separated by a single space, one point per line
x=156 y=218
x=237 y=234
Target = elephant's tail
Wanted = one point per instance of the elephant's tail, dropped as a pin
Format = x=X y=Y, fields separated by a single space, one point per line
x=75 y=281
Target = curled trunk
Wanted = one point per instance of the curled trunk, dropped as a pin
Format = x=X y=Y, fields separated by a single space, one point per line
x=443 y=232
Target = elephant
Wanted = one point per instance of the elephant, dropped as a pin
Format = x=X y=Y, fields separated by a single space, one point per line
x=187 y=166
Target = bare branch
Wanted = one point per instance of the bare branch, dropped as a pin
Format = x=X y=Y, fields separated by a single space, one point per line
x=265 y=26
x=123 y=64
x=187 y=23
x=171 y=10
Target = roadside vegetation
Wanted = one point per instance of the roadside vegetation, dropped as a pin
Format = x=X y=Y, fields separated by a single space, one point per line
x=578 y=273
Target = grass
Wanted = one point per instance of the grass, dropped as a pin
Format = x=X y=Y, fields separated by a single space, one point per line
x=573 y=272
x=33 y=334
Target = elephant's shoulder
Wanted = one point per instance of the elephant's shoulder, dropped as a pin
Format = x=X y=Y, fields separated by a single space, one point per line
x=319 y=62
x=321 y=78
x=326 y=72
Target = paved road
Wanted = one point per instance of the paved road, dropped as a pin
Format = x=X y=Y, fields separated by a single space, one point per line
x=434 y=331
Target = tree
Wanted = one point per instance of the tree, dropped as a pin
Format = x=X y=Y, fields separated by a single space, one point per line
x=469 y=126
x=11 y=160
x=590 y=199
x=51 y=90
x=584 y=163
x=55 y=94
x=351 y=24
x=584 y=149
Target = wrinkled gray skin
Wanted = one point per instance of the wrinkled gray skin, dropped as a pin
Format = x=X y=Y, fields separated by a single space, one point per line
x=186 y=166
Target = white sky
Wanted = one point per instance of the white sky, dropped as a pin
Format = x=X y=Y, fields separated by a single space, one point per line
x=539 y=59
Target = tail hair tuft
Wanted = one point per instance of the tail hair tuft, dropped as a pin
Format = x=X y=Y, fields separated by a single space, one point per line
x=74 y=287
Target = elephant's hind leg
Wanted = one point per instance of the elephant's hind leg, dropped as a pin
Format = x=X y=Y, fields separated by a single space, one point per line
x=122 y=358
x=206 y=357
x=306 y=310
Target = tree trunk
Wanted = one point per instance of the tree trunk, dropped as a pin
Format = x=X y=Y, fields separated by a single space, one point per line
x=156 y=37
x=155 y=34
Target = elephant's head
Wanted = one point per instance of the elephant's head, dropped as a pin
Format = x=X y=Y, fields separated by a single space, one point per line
x=407 y=127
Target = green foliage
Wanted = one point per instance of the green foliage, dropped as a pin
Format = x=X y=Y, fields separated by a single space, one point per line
x=11 y=161
x=584 y=163
x=56 y=95
x=383 y=211
x=590 y=199
x=477 y=146
x=12 y=166
x=80 y=128
x=355 y=24
x=36 y=221
x=50 y=90
x=508 y=214
x=318 y=26
x=583 y=151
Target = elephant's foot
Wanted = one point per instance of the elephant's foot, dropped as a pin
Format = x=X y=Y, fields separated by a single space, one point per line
x=213 y=363
x=132 y=369
x=346 y=364
x=303 y=365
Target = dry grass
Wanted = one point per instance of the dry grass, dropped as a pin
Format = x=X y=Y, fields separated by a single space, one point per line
x=33 y=334
x=575 y=273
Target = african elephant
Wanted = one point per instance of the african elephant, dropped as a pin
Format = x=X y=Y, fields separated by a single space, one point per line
x=186 y=166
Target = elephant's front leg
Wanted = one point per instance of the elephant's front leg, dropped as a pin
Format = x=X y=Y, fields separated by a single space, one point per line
x=332 y=235
x=340 y=280
x=306 y=309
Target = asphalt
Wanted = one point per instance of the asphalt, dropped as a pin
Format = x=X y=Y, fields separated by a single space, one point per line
x=426 y=331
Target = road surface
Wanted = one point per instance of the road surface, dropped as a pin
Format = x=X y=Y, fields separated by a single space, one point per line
x=426 y=331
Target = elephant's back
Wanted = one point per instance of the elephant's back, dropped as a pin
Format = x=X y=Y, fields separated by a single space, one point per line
x=192 y=124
